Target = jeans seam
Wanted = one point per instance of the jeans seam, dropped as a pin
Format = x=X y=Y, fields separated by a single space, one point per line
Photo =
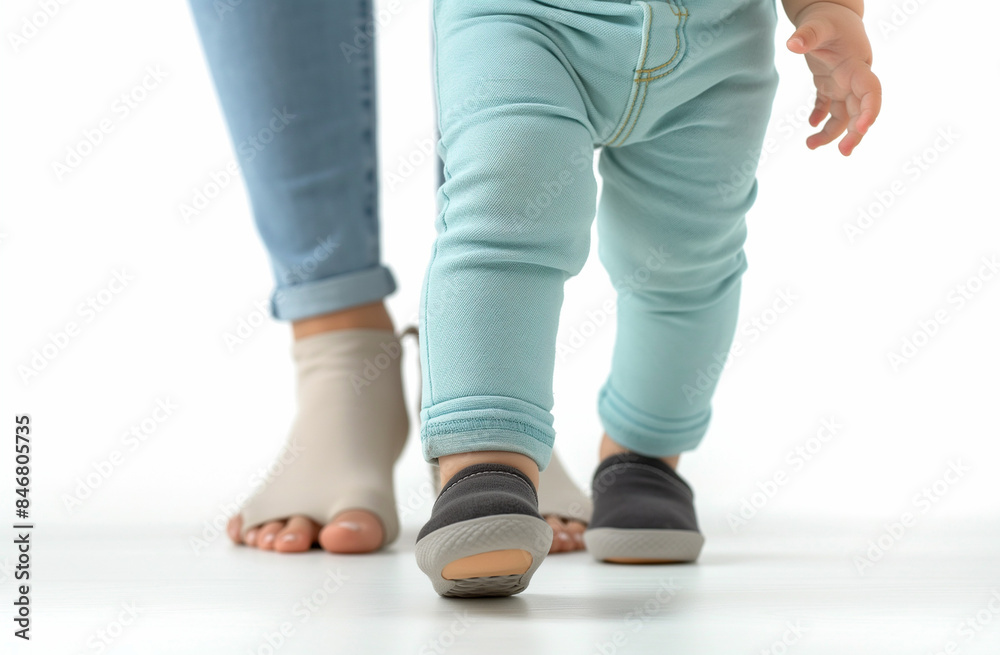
x=648 y=11
x=426 y=350
x=645 y=90
x=676 y=64
x=681 y=16
x=371 y=206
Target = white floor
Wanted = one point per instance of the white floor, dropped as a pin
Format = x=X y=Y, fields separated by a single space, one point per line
x=146 y=590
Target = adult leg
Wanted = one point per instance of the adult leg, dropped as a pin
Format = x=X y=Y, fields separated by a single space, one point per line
x=297 y=90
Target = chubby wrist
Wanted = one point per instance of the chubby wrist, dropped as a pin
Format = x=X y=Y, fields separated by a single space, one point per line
x=798 y=10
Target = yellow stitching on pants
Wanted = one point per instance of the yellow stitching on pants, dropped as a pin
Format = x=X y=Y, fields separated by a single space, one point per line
x=642 y=62
x=628 y=117
x=681 y=16
x=650 y=79
x=644 y=90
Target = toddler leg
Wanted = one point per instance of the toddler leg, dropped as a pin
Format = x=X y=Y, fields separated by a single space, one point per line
x=672 y=228
x=517 y=204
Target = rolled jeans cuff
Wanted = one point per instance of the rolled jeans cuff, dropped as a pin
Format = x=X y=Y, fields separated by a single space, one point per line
x=332 y=294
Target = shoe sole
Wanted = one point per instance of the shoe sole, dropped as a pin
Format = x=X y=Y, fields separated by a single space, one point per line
x=487 y=556
x=636 y=546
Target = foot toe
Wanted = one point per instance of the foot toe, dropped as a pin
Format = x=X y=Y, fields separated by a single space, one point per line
x=575 y=529
x=352 y=531
x=298 y=535
x=234 y=527
x=266 y=534
x=567 y=536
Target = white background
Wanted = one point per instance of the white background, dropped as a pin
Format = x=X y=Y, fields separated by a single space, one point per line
x=162 y=337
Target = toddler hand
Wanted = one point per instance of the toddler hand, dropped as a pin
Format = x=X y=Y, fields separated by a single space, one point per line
x=833 y=39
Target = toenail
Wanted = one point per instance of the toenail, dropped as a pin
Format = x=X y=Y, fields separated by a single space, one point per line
x=251 y=535
x=291 y=536
x=350 y=525
x=563 y=536
x=266 y=539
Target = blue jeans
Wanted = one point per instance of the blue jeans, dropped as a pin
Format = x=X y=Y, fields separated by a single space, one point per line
x=296 y=82
x=676 y=95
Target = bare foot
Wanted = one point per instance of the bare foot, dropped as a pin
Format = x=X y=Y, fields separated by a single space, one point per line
x=567 y=536
x=329 y=400
x=353 y=531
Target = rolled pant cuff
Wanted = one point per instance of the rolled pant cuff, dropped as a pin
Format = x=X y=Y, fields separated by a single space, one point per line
x=646 y=434
x=332 y=294
x=481 y=423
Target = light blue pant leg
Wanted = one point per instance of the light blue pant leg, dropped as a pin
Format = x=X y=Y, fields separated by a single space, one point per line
x=296 y=84
x=671 y=228
x=517 y=203
x=551 y=75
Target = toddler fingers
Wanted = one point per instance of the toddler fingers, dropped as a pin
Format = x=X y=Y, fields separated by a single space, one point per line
x=811 y=34
x=856 y=78
x=869 y=89
x=833 y=128
x=862 y=113
x=849 y=142
x=820 y=111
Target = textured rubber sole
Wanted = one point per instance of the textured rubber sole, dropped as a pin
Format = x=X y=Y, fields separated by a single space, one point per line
x=478 y=536
x=643 y=546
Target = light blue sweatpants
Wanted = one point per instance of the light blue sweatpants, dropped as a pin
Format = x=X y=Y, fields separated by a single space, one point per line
x=676 y=96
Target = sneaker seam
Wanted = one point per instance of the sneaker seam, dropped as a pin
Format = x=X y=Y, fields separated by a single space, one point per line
x=507 y=473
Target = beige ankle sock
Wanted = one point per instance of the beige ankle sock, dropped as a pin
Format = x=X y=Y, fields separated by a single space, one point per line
x=559 y=496
x=350 y=429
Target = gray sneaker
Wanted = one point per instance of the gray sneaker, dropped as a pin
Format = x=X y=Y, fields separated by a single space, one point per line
x=643 y=513
x=485 y=536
